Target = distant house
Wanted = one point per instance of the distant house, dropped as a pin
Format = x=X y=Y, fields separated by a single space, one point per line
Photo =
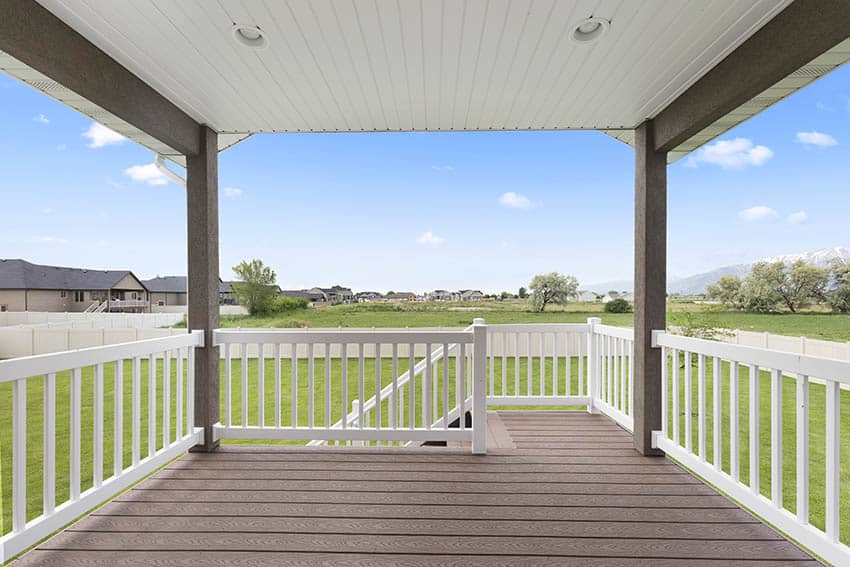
x=25 y=286
x=335 y=294
x=401 y=296
x=442 y=295
x=309 y=295
x=586 y=295
x=167 y=290
x=367 y=296
x=471 y=295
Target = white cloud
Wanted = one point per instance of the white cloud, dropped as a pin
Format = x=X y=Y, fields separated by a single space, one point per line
x=149 y=174
x=797 y=218
x=41 y=119
x=430 y=239
x=731 y=154
x=100 y=136
x=516 y=201
x=442 y=168
x=51 y=240
x=818 y=139
x=61 y=147
x=757 y=213
x=233 y=192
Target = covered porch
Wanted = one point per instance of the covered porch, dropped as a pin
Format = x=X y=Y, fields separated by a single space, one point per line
x=188 y=80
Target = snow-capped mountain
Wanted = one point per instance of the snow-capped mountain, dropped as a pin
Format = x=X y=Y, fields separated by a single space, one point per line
x=696 y=284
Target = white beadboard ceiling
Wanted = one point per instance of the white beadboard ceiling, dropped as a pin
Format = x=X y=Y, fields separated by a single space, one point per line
x=413 y=65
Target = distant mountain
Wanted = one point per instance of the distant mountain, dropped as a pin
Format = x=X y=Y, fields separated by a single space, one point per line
x=696 y=284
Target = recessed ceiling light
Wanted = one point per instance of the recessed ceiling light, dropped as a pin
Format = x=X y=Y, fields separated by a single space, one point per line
x=250 y=36
x=590 y=30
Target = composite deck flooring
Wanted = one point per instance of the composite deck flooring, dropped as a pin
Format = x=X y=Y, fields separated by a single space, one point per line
x=556 y=488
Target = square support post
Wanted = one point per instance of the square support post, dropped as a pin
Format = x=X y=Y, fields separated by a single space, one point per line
x=203 y=278
x=479 y=387
x=650 y=283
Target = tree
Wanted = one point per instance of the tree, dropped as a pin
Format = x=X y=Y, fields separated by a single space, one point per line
x=523 y=293
x=759 y=288
x=838 y=296
x=551 y=288
x=256 y=289
x=728 y=290
x=803 y=285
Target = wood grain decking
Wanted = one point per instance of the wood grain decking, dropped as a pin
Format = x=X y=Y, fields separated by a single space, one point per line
x=570 y=492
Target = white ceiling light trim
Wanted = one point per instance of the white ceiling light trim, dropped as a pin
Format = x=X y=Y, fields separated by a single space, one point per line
x=250 y=36
x=589 y=30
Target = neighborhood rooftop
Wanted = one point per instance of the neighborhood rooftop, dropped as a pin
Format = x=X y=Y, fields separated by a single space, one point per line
x=20 y=274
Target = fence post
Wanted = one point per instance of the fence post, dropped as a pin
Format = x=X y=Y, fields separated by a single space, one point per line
x=479 y=391
x=592 y=364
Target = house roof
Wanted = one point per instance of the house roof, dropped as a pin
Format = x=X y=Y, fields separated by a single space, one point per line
x=167 y=284
x=430 y=66
x=20 y=274
x=305 y=293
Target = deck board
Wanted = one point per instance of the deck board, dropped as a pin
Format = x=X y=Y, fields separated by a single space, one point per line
x=560 y=488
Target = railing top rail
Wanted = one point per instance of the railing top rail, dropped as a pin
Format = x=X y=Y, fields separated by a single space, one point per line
x=787 y=362
x=617 y=332
x=24 y=367
x=347 y=336
x=538 y=328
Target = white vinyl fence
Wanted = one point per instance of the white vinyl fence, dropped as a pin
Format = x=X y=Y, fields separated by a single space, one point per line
x=800 y=345
x=35 y=340
x=89 y=320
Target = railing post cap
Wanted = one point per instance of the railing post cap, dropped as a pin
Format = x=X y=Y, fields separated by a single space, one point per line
x=478 y=321
x=594 y=321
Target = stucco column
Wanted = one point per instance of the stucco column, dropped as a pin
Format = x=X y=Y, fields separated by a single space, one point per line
x=203 y=283
x=650 y=283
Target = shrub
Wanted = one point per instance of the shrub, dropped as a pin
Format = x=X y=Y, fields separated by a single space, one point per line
x=618 y=305
x=281 y=305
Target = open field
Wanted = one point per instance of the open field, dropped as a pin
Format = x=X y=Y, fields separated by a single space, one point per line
x=816 y=324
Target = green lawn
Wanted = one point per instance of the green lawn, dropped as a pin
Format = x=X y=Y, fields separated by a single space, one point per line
x=816 y=324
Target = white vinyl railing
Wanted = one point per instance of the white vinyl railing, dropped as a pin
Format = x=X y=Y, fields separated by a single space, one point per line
x=141 y=377
x=704 y=430
x=321 y=370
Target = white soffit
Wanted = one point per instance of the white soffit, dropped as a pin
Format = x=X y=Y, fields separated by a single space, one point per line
x=812 y=71
x=356 y=65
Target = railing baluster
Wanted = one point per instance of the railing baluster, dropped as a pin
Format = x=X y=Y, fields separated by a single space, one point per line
x=617 y=375
x=118 y=420
x=833 y=460
x=294 y=385
x=75 y=449
x=97 y=445
x=261 y=385
x=555 y=364
x=228 y=385
x=754 y=428
x=152 y=399
x=166 y=399
x=178 y=419
x=504 y=391
x=19 y=455
x=311 y=389
x=568 y=365
x=689 y=409
x=516 y=365
x=49 y=449
x=802 y=449
x=277 y=388
x=461 y=383
x=360 y=378
x=426 y=382
x=676 y=414
x=491 y=357
x=717 y=413
x=701 y=405
x=137 y=409
x=582 y=352
x=379 y=386
x=344 y=396
x=734 y=425
x=190 y=391
x=542 y=364
x=394 y=405
x=327 y=385
x=776 y=437
x=446 y=386
x=411 y=387
x=243 y=352
x=529 y=363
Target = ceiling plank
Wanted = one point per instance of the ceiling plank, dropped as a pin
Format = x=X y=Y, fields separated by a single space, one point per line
x=793 y=38
x=34 y=36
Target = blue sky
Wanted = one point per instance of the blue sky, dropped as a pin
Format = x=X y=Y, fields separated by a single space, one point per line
x=423 y=211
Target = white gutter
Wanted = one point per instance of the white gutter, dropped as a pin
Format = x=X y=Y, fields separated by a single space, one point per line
x=159 y=162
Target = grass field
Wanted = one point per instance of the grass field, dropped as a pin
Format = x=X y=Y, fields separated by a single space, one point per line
x=815 y=324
